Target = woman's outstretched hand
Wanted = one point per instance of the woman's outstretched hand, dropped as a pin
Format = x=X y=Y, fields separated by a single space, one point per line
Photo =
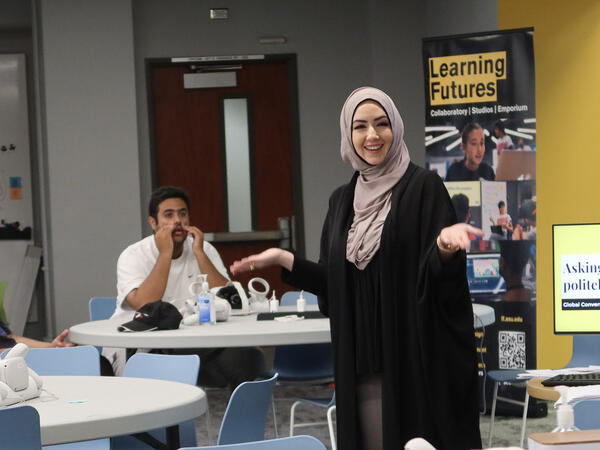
x=456 y=237
x=267 y=258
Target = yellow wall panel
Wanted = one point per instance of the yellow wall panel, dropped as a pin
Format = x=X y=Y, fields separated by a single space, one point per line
x=567 y=66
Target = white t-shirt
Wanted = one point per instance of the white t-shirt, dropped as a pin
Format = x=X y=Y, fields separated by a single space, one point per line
x=133 y=267
x=137 y=261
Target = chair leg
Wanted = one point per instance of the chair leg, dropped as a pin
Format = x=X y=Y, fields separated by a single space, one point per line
x=525 y=407
x=208 y=424
x=493 y=413
x=274 y=416
x=330 y=411
x=292 y=411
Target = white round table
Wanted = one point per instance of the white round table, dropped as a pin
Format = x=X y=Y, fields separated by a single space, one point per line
x=81 y=408
x=238 y=331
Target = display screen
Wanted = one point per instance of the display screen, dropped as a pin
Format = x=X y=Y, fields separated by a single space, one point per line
x=576 y=265
x=483 y=273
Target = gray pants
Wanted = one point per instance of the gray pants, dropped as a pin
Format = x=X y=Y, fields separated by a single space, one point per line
x=369 y=411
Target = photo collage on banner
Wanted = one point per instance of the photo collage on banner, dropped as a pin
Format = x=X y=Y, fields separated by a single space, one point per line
x=480 y=138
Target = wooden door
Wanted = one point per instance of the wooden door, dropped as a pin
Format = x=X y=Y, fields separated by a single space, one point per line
x=189 y=150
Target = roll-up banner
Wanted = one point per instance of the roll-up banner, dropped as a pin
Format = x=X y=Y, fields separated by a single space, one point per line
x=480 y=137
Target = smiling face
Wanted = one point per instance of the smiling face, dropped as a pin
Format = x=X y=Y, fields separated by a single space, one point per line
x=474 y=148
x=172 y=211
x=371 y=132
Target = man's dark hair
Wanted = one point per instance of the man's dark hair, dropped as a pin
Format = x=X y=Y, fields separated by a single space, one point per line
x=163 y=193
x=461 y=207
x=501 y=204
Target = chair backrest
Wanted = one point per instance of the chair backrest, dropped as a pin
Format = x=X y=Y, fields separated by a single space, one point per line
x=180 y=368
x=586 y=350
x=102 y=308
x=20 y=428
x=286 y=443
x=80 y=360
x=290 y=297
x=587 y=414
x=303 y=362
x=246 y=413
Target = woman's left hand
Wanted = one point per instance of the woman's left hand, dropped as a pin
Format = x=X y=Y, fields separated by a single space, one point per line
x=456 y=236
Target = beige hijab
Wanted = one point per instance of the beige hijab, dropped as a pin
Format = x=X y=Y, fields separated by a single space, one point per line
x=373 y=192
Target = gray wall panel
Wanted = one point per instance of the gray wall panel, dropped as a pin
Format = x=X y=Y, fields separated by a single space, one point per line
x=92 y=149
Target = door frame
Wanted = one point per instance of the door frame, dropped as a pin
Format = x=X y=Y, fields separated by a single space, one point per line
x=291 y=60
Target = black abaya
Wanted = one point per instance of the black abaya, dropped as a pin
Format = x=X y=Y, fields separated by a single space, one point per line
x=429 y=376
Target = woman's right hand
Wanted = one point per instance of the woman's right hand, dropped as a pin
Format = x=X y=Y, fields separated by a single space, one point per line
x=267 y=258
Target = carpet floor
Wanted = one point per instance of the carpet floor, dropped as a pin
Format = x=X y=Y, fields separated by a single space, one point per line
x=507 y=430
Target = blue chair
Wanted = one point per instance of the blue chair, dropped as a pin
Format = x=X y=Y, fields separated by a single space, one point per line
x=179 y=368
x=246 y=413
x=306 y=363
x=587 y=414
x=102 y=308
x=288 y=443
x=20 y=428
x=511 y=376
x=82 y=361
x=586 y=351
x=328 y=404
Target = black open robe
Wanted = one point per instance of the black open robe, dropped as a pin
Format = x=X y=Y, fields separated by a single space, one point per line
x=429 y=384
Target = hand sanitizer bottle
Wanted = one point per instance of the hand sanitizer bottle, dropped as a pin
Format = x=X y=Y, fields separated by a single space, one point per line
x=565 y=420
x=301 y=303
x=206 y=304
x=273 y=303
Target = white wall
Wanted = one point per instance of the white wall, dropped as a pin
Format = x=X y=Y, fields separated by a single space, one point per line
x=91 y=147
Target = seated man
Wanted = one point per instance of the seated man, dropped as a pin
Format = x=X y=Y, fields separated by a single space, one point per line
x=8 y=339
x=161 y=267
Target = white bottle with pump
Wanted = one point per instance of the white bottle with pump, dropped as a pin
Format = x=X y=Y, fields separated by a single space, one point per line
x=273 y=303
x=301 y=303
x=565 y=419
x=206 y=304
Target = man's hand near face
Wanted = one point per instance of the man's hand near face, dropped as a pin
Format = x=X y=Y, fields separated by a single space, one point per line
x=198 y=245
x=164 y=239
x=154 y=286
x=213 y=276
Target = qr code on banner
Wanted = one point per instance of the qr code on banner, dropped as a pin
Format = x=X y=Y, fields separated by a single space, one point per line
x=511 y=349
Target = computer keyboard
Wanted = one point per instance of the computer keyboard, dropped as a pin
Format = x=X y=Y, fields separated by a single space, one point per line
x=574 y=379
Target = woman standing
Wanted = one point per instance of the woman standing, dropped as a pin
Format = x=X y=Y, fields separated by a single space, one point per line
x=391 y=277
